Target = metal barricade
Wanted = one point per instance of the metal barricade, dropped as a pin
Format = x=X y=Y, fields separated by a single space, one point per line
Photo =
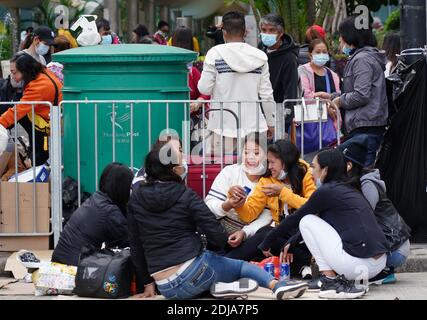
x=123 y=117
x=36 y=230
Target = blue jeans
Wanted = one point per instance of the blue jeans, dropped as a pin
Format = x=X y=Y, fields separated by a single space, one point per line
x=395 y=259
x=373 y=143
x=209 y=268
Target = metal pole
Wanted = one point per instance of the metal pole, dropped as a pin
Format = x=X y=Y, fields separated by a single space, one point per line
x=96 y=146
x=16 y=171
x=34 y=169
x=131 y=136
x=56 y=185
x=413 y=24
x=114 y=132
x=78 y=154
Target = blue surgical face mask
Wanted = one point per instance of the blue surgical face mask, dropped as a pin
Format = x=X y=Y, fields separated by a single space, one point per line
x=268 y=40
x=320 y=59
x=42 y=49
x=346 y=50
x=282 y=176
x=107 y=39
x=318 y=183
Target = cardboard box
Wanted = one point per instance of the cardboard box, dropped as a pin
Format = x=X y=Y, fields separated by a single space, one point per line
x=8 y=216
x=41 y=174
x=18 y=269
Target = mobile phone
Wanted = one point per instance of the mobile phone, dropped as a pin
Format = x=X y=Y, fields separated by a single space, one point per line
x=247 y=190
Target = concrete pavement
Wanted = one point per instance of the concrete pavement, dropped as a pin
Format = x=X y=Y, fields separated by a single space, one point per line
x=409 y=286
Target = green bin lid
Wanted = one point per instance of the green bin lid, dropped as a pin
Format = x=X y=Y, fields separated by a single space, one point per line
x=125 y=53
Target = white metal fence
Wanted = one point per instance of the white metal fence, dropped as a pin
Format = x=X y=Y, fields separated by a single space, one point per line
x=112 y=130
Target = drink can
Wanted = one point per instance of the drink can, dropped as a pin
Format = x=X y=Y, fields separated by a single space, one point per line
x=269 y=267
x=285 y=271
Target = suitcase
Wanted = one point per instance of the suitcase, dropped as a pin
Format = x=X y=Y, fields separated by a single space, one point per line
x=212 y=169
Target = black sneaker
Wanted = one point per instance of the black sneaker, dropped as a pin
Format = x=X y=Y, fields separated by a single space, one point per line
x=289 y=289
x=233 y=290
x=339 y=288
x=314 y=285
x=384 y=277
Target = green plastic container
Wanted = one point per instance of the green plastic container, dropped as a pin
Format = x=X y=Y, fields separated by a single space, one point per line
x=119 y=72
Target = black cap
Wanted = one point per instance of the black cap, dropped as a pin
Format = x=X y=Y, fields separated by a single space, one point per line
x=45 y=34
x=357 y=151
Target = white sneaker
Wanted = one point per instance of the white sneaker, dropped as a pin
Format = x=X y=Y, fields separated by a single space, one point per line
x=306 y=272
x=234 y=289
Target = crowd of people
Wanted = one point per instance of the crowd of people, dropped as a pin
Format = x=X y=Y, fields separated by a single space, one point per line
x=333 y=211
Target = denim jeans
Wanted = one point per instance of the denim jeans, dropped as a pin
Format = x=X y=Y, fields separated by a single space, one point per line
x=209 y=268
x=395 y=259
x=373 y=143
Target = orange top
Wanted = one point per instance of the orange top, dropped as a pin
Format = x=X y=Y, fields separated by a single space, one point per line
x=40 y=89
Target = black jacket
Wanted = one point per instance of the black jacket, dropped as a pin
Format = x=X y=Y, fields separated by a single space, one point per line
x=348 y=212
x=98 y=220
x=163 y=218
x=283 y=66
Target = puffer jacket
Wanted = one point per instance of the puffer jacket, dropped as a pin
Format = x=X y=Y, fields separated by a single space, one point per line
x=164 y=220
x=97 y=221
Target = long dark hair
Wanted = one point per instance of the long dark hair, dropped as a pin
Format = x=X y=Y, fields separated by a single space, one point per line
x=183 y=38
x=392 y=46
x=356 y=36
x=28 y=66
x=156 y=170
x=115 y=181
x=289 y=154
x=332 y=159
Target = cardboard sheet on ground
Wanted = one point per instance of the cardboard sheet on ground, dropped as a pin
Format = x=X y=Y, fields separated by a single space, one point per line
x=18 y=270
x=11 y=288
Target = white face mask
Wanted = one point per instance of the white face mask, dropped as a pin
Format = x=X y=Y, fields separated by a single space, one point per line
x=258 y=171
x=282 y=176
x=15 y=84
x=42 y=49
x=184 y=174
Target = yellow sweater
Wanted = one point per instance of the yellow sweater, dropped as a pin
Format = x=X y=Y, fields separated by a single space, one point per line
x=256 y=203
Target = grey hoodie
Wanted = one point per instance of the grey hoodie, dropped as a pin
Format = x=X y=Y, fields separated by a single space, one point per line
x=364 y=97
x=368 y=187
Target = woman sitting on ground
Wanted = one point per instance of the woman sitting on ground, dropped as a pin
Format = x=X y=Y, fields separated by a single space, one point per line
x=246 y=176
x=286 y=187
x=164 y=217
x=396 y=231
x=101 y=219
x=339 y=228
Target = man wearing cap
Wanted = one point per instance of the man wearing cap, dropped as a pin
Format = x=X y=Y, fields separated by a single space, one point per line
x=37 y=44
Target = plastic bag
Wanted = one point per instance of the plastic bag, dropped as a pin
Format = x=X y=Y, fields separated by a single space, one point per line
x=54 y=279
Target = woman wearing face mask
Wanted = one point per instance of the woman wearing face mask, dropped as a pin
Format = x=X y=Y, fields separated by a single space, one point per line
x=364 y=97
x=286 y=186
x=243 y=178
x=339 y=228
x=165 y=219
x=107 y=36
x=37 y=44
x=39 y=84
x=316 y=77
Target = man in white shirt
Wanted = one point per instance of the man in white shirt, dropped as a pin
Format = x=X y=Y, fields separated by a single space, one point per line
x=236 y=71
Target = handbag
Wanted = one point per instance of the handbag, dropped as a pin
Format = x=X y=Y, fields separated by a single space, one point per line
x=311 y=123
x=103 y=273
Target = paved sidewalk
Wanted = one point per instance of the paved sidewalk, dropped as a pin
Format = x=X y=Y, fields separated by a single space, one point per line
x=410 y=286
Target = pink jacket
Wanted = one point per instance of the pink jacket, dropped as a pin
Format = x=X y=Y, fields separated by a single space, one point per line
x=306 y=75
